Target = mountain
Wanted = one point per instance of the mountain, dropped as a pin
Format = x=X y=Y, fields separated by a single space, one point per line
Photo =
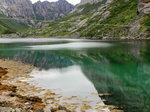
x=20 y=10
x=51 y=10
x=26 y=12
x=100 y=18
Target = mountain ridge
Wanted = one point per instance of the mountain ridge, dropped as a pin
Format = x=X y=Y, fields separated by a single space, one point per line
x=19 y=10
x=100 y=19
x=26 y=12
x=51 y=10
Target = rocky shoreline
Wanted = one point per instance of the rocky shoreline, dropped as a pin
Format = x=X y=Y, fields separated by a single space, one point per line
x=20 y=96
x=11 y=97
x=17 y=95
x=95 y=38
x=76 y=37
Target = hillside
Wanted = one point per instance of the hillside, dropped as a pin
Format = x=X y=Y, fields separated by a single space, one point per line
x=7 y=25
x=21 y=10
x=100 y=18
x=16 y=15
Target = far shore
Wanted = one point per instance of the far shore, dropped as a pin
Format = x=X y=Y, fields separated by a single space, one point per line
x=76 y=37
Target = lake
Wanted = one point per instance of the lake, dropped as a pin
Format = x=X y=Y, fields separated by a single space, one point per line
x=82 y=67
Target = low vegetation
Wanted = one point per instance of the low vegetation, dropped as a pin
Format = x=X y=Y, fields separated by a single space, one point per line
x=145 y=21
x=115 y=18
x=94 y=20
x=8 y=25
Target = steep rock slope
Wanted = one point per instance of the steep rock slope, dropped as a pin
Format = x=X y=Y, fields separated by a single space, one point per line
x=20 y=10
x=26 y=12
x=101 y=18
x=16 y=15
x=51 y=10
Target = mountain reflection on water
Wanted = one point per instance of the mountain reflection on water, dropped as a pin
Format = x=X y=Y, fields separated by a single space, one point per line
x=121 y=68
x=71 y=84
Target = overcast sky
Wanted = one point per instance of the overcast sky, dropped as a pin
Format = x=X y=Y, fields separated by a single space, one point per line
x=70 y=1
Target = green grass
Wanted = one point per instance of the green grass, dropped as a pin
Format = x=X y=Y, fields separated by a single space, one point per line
x=145 y=26
x=2 y=29
x=121 y=13
x=8 y=25
x=88 y=7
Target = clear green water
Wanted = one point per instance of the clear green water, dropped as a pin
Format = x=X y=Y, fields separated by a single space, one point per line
x=121 y=68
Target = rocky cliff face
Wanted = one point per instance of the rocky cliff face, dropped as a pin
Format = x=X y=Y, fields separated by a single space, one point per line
x=18 y=9
x=144 y=7
x=26 y=12
x=51 y=10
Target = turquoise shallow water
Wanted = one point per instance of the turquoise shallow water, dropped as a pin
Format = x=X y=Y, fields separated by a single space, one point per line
x=121 y=68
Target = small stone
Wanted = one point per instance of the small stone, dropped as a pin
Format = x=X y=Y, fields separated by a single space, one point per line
x=61 y=111
x=6 y=109
x=17 y=110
